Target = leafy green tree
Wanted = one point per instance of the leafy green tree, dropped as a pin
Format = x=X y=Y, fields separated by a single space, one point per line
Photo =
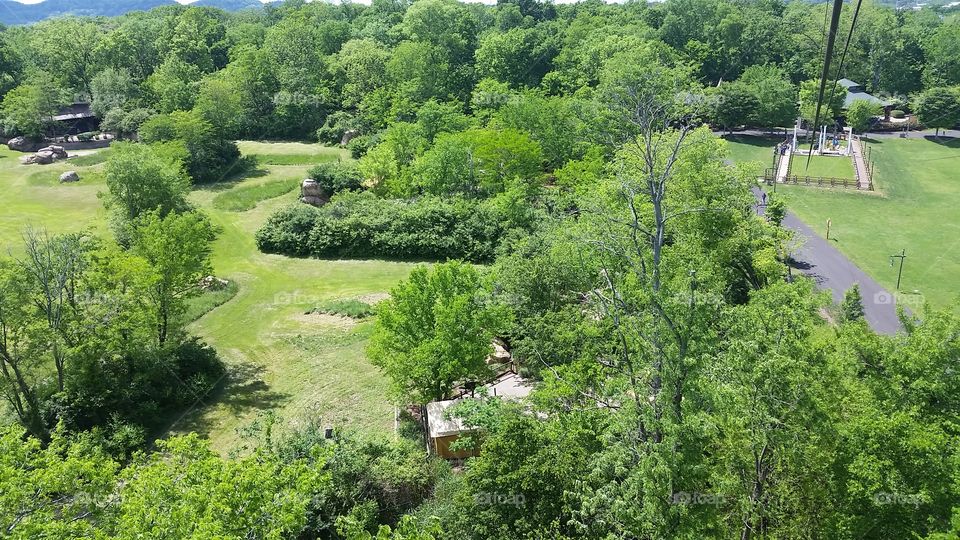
x=435 y=118
x=221 y=105
x=174 y=85
x=776 y=95
x=478 y=163
x=68 y=48
x=112 y=89
x=519 y=57
x=555 y=123
x=942 y=52
x=860 y=113
x=142 y=178
x=832 y=100
x=210 y=157
x=198 y=38
x=776 y=210
x=11 y=66
x=939 y=108
x=736 y=105
x=361 y=65
x=851 y=309
x=27 y=108
x=434 y=332
x=177 y=247
x=186 y=490
x=54 y=490
x=133 y=45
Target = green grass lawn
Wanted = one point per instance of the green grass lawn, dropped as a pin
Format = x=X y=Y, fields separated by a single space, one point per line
x=280 y=359
x=34 y=197
x=752 y=149
x=916 y=210
x=823 y=166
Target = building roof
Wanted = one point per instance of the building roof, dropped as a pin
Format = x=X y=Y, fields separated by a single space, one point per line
x=508 y=386
x=74 y=111
x=855 y=92
x=439 y=424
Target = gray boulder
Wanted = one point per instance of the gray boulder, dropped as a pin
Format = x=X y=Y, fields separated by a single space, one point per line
x=57 y=151
x=348 y=136
x=69 y=176
x=22 y=144
x=45 y=157
x=312 y=194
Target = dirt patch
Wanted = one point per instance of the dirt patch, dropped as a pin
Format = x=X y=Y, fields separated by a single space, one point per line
x=325 y=320
x=373 y=298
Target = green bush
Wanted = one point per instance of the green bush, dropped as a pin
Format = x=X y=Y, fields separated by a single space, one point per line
x=353 y=308
x=287 y=230
x=337 y=176
x=143 y=388
x=209 y=159
x=360 y=225
x=358 y=146
x=897 y=113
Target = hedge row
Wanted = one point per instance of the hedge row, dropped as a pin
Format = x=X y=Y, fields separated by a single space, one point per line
x=360 y=225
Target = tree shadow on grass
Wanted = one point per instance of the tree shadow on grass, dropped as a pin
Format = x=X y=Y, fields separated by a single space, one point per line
x=243 y=390
x=230 y=182
x=944 y=140
x=753 y=140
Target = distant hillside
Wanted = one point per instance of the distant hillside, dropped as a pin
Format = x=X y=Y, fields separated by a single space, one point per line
x=13 y=12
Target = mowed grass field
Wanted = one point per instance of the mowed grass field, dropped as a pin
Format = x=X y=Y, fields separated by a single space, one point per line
x=823 y=166
x=300 y=367
x=915 y=209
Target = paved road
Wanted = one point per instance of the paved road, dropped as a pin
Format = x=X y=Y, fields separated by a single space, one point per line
x=915 y=134
x=832 y=270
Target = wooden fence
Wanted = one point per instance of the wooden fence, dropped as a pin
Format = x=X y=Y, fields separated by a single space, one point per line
x=770 y=176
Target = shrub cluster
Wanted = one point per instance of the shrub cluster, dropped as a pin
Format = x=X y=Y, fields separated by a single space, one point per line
x=142 y=388
x=334 y=177
x=362 y=225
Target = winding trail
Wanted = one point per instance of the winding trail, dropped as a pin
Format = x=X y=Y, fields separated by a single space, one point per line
x=831 y=270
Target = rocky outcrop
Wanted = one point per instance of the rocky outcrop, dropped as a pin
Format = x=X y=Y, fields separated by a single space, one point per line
x=312 y=194
x=348 y=136
x=69 y=176
x=23 y=144
x=45 y=155
x=57 y=151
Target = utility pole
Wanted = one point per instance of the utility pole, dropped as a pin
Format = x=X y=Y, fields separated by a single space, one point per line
x=901 y=256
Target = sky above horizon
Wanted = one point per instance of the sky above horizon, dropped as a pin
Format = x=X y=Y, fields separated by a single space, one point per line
x=38 y=1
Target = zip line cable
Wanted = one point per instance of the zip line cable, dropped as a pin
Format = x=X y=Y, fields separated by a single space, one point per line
x=831 y=39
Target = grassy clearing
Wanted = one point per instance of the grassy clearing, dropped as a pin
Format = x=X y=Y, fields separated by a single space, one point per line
x=246 y=196
x=292 y=159
x=279 y=358
x=917 y=212
x=93 y=158
x=757 y=151
x=823 y=166
x=34 y=197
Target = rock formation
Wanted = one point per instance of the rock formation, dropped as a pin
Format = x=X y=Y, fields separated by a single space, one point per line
x=312 y=194
x=69 y=176
x=45 y=155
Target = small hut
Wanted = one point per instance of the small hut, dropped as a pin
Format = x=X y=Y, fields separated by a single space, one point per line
x=443 y=430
